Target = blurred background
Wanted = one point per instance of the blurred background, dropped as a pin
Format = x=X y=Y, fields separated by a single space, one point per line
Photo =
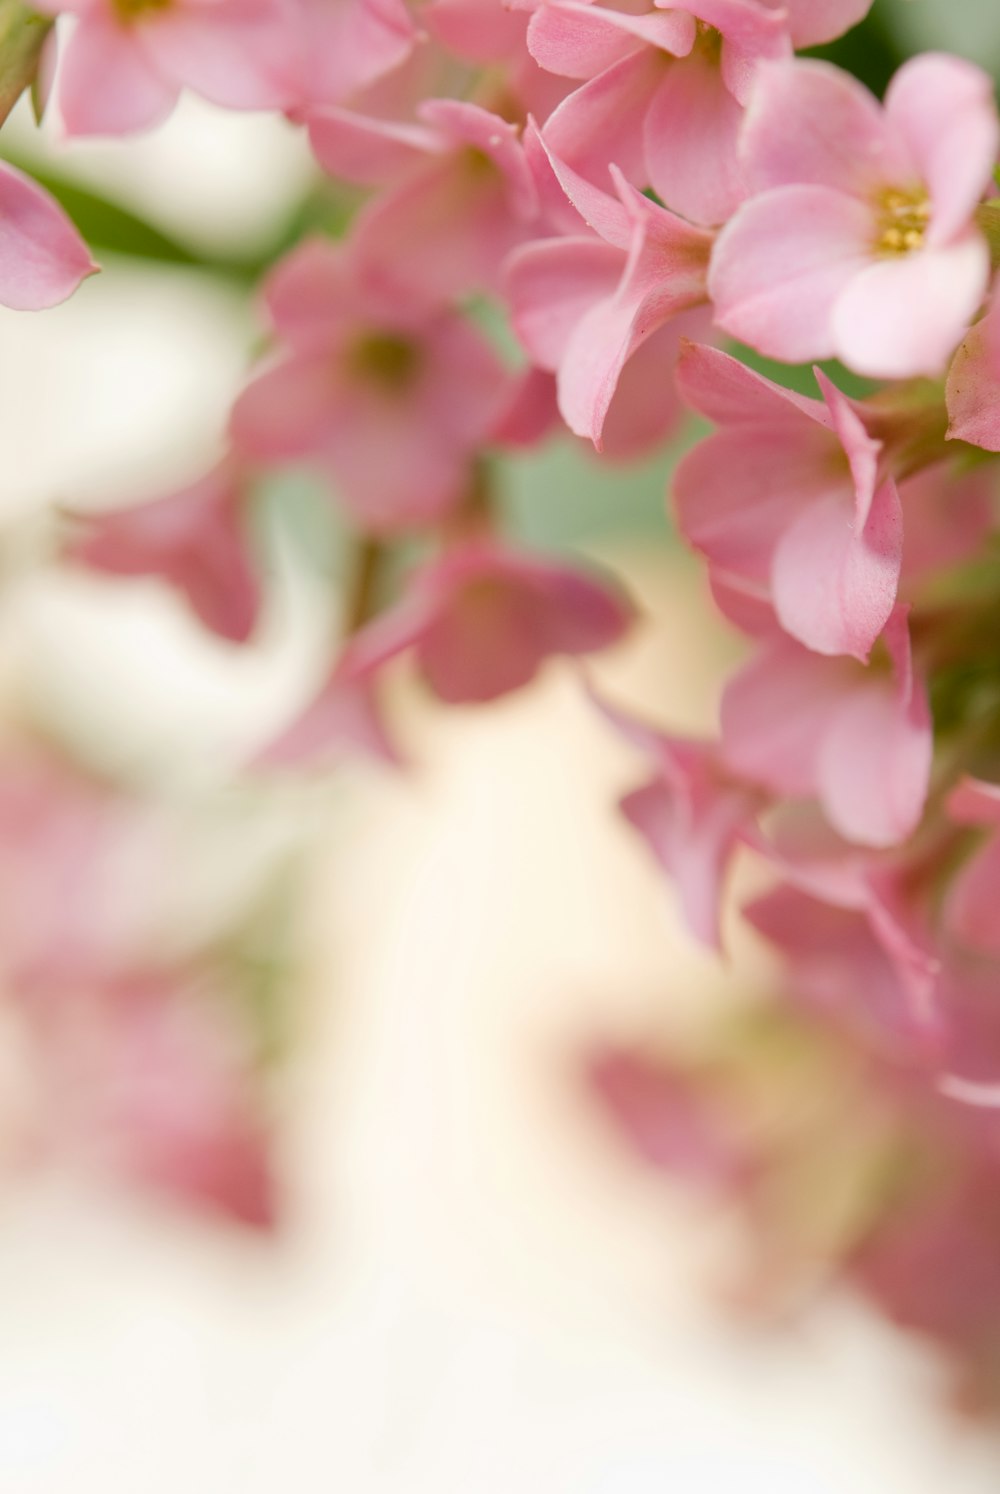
x=459 y=1276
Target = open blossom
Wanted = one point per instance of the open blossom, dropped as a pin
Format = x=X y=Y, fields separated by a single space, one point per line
x=127 y=61
x=195 y=539
x=666 y=87
x=392 y=399
x=790 y=496
x=859 y=240
x=460 y=195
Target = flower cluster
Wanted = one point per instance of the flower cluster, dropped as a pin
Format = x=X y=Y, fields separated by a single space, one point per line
x=634 y=184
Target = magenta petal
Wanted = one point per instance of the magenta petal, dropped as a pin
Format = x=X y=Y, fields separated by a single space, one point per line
x=691 y=131
x=42 y=257
x=109 y=84
x=834 y=582
x=905 y=316
x=781 y=264
x=973 y=801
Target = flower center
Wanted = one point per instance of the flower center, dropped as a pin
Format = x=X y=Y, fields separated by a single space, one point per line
x=902 y=220
x=708 y=41
x=131 y=10
x=385 y=359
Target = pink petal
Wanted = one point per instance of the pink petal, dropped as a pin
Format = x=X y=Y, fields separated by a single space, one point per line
x=781 y=264
x=42 y=257
x=874 y=766
x=109 y=84
x=726 y=391
x=603 y=121
x=944 y=109
x=904 y=316
x=834 y=579
x=809 y=123
x=975 y=802
x=813 y=22
x=551 y=284
x=359 y=148
x=690 y=136
x=343 y=717
x=581 y=40
x=194 y=539
x=777 y=712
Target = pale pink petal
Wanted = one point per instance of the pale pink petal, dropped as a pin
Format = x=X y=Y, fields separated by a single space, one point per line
x=834 y=577
x=581 y=40
x=344 y=717
x=944 y=109
x=223 y=51
x=809 y=123
x=690 y=134
x=602 y=122
x=726 y=391
x=813 y=22
x=777 y=713
x=905 y=315
x=874 y=766
x=551 y=284
x=359 y=148
x=645 y=410
x=196 y=540
x=42 y=257
x=596 y=206
x=108 y=84
x=284 y=413
x=781 y=265
x=310 y=296
x=737 y=492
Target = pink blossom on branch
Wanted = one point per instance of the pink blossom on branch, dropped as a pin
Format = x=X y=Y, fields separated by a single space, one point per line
x=392 y=399
x=858 y=239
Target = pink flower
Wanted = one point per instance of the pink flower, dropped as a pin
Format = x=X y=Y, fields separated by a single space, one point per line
x=859 y=740
x=125 y=64
x=859 y=241
x=584 y=304
x=692 y=815
x=462 y=195
x=42 y=257
x=790 y=496
x=666 y=87
x=482 y=619
x=325 y=51
x=195 y=539
x=392 y=399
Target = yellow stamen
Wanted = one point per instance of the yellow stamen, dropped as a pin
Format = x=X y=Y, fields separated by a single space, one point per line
x=902 y=221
